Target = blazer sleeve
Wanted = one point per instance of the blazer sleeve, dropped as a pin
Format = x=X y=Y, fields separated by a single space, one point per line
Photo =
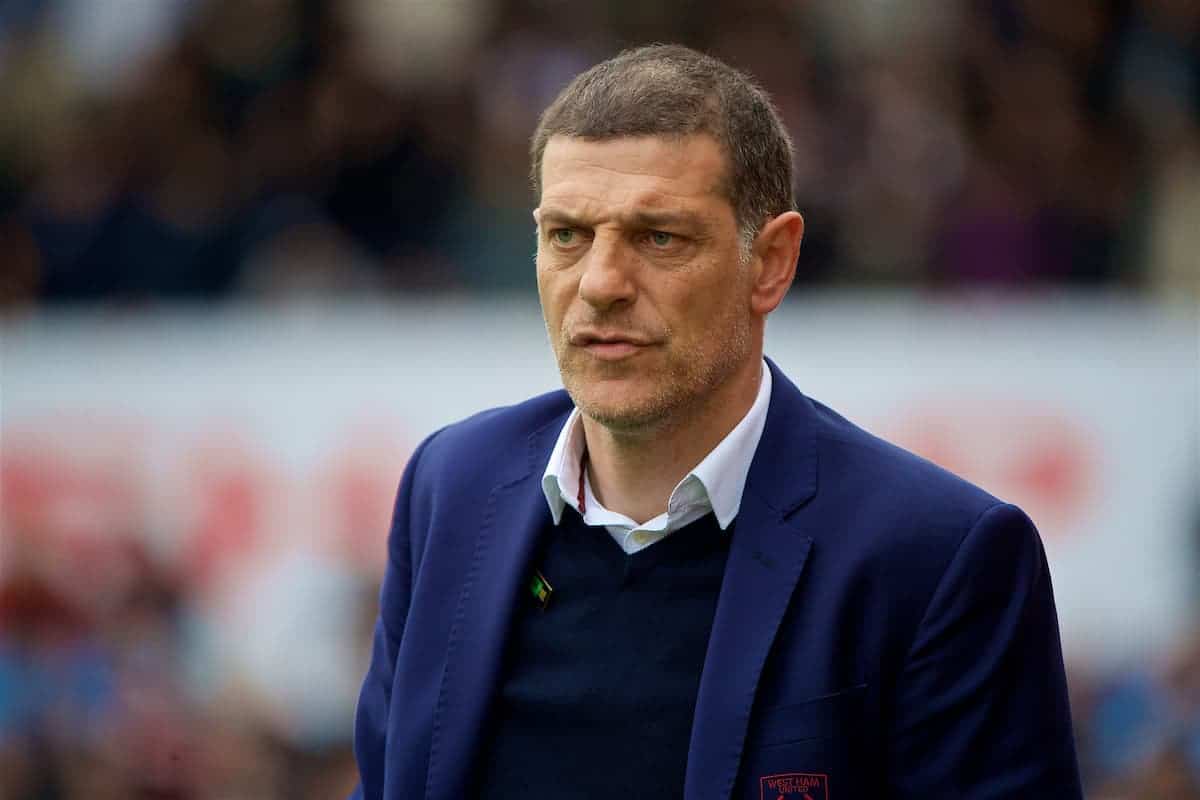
x=374 y=701
x=981 y=700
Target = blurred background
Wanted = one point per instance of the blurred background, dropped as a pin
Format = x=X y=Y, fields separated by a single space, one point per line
x=252 y=251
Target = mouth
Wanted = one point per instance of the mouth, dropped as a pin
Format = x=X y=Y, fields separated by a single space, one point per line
x=609 y=346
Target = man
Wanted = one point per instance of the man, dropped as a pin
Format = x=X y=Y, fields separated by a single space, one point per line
x=682 y=577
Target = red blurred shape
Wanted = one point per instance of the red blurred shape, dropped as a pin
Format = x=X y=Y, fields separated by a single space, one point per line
x=229 y=488
x=30 y=603
x=1039 y=457
x=363 y=475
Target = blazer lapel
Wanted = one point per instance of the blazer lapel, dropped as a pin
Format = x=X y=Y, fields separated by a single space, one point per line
x=766 y=557
x=516 y=512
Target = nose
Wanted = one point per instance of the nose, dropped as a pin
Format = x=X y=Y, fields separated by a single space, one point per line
x=607 y=279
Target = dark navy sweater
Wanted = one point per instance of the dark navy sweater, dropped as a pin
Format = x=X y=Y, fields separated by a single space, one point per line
x=599 y=685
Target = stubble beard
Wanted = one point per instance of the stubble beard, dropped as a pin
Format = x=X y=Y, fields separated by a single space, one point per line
x=683 y=390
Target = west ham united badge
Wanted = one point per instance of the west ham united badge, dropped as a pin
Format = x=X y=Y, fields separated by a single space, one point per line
x=795 y=786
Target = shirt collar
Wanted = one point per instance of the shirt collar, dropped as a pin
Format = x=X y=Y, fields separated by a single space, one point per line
x=563 y=469
x=718 y=481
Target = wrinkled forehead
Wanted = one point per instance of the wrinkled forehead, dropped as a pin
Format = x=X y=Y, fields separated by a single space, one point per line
x=654 y=172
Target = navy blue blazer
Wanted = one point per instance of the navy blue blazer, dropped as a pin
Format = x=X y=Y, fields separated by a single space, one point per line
x=884 y=629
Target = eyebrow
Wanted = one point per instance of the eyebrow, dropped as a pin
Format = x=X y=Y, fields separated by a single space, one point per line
x=665 y=219
x=637 y=219
x=561 y=217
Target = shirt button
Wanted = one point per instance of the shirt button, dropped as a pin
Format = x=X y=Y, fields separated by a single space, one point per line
x=641 y=537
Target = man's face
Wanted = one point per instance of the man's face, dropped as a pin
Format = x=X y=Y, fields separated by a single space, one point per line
x=643 y=288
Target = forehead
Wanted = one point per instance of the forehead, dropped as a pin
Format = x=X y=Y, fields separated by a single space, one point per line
x=643 y=172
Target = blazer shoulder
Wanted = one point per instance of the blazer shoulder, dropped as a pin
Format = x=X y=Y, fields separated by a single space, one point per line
x=867 y=462
x=905 y=526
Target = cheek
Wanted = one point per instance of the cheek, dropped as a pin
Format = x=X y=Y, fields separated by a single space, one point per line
x=555 y=295
x=545 y=281
x=695 y=308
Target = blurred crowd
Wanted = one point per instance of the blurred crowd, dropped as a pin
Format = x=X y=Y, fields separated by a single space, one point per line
x=213 y=149
x=100 y=699
x=108 y=689
x=1138 y=730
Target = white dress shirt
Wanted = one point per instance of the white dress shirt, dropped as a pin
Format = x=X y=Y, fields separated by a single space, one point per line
x=715 y=484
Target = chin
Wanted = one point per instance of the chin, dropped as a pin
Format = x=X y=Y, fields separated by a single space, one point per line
x=622 y=410
x=621 y=419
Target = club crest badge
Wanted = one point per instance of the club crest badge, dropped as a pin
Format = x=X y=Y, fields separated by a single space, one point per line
x=794 y=786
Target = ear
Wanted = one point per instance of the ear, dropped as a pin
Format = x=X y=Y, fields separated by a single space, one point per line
x=776 y=249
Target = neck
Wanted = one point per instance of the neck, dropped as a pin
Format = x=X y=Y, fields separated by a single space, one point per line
x=634 y=472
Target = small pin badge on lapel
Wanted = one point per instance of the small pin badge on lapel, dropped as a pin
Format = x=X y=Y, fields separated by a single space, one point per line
x=541 y=589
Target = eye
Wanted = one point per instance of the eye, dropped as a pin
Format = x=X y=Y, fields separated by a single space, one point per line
x=564 y=237
x=661 y=238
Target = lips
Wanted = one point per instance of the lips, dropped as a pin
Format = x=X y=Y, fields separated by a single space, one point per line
x=589 y=338
x=609 y=346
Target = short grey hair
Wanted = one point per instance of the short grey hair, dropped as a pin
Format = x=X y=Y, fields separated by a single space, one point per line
x=671 y=90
